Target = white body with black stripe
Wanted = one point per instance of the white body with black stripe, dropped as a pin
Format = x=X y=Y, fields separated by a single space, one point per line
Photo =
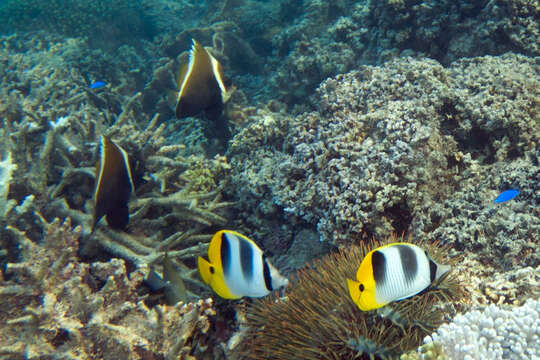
x=402 y=278
x=245 y=273
x=237 y=267
x=393 y=272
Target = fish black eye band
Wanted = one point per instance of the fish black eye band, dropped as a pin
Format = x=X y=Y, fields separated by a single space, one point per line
x=266 y=274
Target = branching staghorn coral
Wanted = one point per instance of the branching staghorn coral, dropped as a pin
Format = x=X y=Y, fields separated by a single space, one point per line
x=176 y=200
x=51 y=126
x=179 y=199
x=53 y=306
x=316 y=319
x=6 y=170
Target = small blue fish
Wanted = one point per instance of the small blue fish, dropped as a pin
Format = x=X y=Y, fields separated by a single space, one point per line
x=506 y=195
x=97 y=85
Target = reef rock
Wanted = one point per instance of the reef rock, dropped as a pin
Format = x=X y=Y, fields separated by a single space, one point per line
x=328 y=38
x=409 y=146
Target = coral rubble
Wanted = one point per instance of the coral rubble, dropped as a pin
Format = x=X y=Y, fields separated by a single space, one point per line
x=55 y=307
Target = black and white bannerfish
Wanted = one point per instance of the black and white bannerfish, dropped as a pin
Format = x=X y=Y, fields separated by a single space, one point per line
x=393 y=272
x=201 y=85
x=114 y=185
x=237 y=267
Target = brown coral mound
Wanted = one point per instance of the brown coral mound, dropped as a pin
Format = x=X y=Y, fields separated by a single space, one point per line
x=318 y=320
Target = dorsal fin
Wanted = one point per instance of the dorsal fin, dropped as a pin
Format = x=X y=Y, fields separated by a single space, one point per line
x=181 y=74
x=201 y=84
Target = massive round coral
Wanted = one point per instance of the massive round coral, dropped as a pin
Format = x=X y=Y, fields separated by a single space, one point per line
x=408 y=146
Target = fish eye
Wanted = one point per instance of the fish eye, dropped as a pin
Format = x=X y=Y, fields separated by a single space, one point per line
x=212 y=270
x=361 y=287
